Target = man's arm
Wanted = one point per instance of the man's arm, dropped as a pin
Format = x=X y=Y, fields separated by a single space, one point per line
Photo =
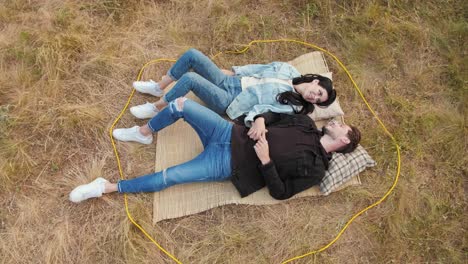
x=266 y=111
x=272 y=118
x=291 y=185
x=261 y=121
x=269 y=117
x=283 y=189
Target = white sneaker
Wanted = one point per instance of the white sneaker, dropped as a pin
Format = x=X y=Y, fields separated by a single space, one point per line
x=149 y=87
x=144 y=111
x=132 y=134
x=86 y=191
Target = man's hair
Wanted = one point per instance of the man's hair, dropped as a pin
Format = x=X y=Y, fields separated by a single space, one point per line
x=354 y=136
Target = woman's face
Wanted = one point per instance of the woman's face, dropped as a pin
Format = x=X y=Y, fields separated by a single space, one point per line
x=312 y=92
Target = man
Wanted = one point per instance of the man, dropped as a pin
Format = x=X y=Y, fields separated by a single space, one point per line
x=287 y=153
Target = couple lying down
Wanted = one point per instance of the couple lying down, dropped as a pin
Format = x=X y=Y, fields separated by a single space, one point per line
x=277 y=145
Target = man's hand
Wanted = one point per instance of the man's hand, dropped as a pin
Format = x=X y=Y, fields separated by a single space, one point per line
x=261 y=148
x=258 y=129
x=227 y=72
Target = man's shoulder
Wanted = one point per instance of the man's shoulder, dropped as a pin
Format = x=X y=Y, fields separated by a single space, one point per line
x=298 y=119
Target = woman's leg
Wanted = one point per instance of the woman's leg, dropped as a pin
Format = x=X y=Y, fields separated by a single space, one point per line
x=216 y=98
x=194 y=60
x=203 y=66
x=165 y=81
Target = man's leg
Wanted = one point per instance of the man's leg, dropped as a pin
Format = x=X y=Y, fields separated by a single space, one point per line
x=213 y=164
x=205 y=122
x=209 y=126
x=144 y=134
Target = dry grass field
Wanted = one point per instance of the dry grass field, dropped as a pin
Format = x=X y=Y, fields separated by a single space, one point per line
x=66 y=72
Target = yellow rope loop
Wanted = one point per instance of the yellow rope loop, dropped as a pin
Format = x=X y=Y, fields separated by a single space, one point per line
x=246 y=48
x=120 y=167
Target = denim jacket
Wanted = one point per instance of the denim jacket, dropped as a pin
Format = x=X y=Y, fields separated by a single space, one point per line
x=279 y=70
x=261 y=98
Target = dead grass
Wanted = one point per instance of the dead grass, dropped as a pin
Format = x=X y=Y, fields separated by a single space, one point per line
x=66 y=73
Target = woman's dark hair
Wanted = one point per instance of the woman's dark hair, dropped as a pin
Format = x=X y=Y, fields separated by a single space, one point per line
x=291 y=98
x=295 y=99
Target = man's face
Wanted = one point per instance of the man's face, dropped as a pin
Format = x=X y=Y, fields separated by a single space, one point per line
x=336 y=130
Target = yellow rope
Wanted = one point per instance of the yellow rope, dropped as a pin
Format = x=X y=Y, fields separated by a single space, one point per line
x=120 y=166
x=239 y=52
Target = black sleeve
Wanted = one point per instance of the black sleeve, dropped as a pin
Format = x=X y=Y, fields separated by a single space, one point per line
x=306 y=120
x=283 y=189
x=272 y=118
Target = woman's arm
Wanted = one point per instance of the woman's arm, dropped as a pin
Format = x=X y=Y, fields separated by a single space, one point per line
x=251 y=69
x=258 y=130
x=272 y=113
x=280 y=70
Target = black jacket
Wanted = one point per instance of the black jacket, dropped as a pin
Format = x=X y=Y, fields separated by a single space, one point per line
x=298 y=160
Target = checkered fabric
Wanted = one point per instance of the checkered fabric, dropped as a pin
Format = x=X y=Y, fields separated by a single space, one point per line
x=343 y=167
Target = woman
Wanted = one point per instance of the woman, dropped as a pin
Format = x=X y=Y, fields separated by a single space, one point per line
x=247 y=91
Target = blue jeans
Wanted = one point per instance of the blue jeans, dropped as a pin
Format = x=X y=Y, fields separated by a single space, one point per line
x=213 y=164
x=206 y=81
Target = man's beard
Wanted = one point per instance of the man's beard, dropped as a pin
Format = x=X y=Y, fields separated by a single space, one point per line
x=325 y=131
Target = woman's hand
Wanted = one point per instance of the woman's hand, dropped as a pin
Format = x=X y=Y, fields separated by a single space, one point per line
x=262 y=150
x=227 y=72
x=258 y=129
